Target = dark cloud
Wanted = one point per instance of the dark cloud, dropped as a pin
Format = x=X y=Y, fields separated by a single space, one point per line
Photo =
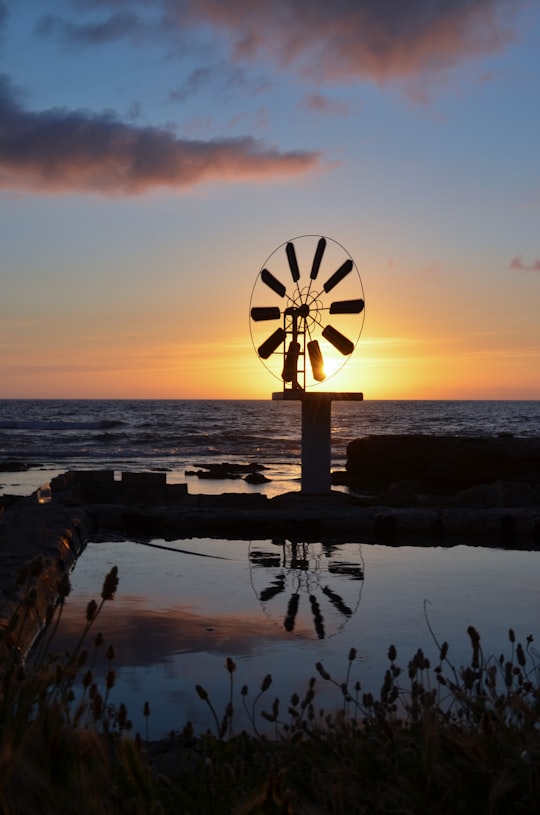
x=224 y=79
x=117 y=26
x=3 y=14
x=517 y=263
x=195 y=81
x=60 y=150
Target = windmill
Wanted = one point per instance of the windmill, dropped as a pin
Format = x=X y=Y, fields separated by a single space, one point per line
x=310 y=290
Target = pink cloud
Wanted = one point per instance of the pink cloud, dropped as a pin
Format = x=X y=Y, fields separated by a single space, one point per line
x=350 y=38
x=380 y=39
x=517 y=263
x=76 y=151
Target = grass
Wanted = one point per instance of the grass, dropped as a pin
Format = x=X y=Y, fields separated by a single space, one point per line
x=435 y=739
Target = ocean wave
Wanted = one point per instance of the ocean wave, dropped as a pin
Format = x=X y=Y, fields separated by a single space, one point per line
x=38 y=424
x=102 y=434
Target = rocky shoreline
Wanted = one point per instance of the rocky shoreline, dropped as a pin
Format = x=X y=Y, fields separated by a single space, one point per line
x=39 y=543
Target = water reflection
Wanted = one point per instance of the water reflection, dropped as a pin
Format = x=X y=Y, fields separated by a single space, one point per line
x=320 y=583
x=143 y=636
x=177 y=616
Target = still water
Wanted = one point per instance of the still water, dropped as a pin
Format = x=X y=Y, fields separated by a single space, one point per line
x=183 y=607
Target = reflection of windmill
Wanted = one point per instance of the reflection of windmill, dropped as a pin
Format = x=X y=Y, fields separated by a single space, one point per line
x=329 y=576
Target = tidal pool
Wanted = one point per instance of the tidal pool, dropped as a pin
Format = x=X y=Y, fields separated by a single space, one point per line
x=278 y=607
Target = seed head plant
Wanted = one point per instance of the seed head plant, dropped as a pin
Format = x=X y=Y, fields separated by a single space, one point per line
x=437 y=737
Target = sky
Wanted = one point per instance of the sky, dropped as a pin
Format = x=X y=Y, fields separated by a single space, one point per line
x=153 y=156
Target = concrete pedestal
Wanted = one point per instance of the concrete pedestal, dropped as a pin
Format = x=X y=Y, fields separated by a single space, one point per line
x=316 y=435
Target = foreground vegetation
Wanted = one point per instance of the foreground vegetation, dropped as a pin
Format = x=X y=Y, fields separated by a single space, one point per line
x=436 y=739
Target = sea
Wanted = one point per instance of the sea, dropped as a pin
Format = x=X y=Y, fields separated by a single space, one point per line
x=274 y=607
x=41 y=438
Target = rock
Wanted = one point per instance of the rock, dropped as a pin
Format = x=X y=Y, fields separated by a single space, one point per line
x=42 y=541
x=101 y=486
x=499 y=494
x=440 y=463
x=256 y=478
x=214 y=474
x=7 y=500
x=227 y=470
x=9 y=465
x=401 y=494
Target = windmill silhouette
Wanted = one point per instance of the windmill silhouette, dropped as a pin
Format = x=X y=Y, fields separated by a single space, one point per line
x=311 y=286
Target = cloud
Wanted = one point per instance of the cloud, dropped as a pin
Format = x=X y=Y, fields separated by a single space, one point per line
x=377 y=39
x=222 y=77
x=517 y=263
x=191 y=86
x=60 y=150
x=117 y=26
x=324 y=104
x=3 y=14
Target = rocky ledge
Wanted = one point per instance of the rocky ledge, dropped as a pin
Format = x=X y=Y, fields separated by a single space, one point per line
x=422 y=470
x=39 y=543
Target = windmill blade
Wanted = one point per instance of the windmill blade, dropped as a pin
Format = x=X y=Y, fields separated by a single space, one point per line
x=338 y=275
x=269 y=346
x=265 y=313
x=337 y=602
x=271 y=281
x=270 y=593
x=319 y=252
x=292 y=611
x=293 y=263
x=347 y=307
x=316 y=360
x=290 y=368
x=264 y=559
x=338 y=340
x=347 y=569
x=277 y=586
x=318 y=621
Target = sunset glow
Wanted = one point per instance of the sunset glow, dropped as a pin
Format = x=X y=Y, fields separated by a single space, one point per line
x=151 y=162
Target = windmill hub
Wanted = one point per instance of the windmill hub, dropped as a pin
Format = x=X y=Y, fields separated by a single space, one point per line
x=301 y=311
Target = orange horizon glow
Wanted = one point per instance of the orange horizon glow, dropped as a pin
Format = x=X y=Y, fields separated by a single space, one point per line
x=390 y=368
